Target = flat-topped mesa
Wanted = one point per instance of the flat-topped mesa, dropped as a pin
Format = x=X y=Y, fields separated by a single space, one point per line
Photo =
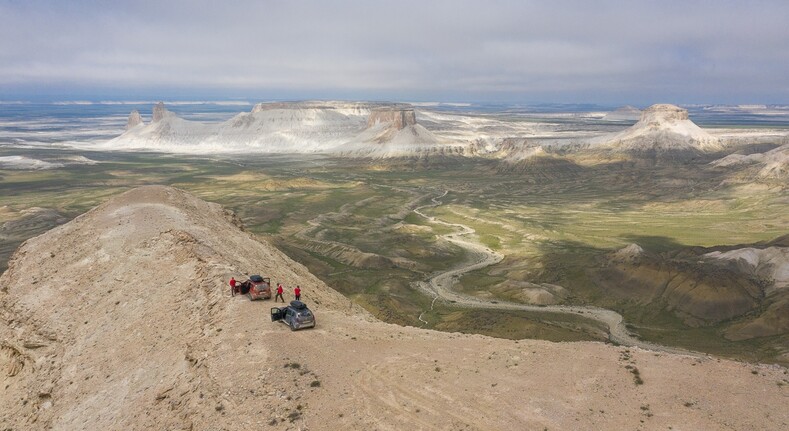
x=663 y=129
x=398 y=118
x=663 y=113
x=346 y=108
x=134 y=119
x=260 y=107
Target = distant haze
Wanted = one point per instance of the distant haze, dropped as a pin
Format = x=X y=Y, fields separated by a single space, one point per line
x=611 y=52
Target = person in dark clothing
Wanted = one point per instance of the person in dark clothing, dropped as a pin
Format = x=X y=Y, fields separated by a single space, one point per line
x=279 y=293
x=297 y=292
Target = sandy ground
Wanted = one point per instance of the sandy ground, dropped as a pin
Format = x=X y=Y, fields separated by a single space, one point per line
x=121 y=319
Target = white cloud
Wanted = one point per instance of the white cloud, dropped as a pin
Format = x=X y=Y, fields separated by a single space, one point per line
x=699 y=51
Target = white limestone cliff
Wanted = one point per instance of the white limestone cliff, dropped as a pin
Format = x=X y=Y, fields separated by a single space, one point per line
x=134 y=120
x=662 y=128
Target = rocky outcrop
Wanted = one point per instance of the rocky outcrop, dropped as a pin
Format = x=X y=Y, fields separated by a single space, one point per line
x=771 y=165
x=398 y=118
x=743 y=289
x=771 y=263
x=160 y=112
x=352 y=109
x=134 y=120
x=393 y=132
x=698 y=294
x=518 y=149
x=662 y=129
x=662 y=113
x=279 y=127
x=629 y=254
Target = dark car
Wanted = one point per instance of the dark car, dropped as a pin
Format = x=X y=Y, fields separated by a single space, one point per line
x=256 y=287
x=296 y=315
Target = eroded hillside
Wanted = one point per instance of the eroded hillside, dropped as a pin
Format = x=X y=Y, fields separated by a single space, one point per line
x=121 y=319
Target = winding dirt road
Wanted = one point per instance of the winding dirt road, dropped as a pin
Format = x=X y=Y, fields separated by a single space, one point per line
x=440 y=287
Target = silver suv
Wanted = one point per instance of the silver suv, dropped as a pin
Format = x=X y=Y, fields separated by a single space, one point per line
x=296 y=315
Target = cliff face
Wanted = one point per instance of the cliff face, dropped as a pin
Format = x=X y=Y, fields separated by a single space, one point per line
x=160 y=112
x=289 y=127
x=660 y=114
x=282 y=127
x=663 y=128
x=398 y=118
x=134 y=119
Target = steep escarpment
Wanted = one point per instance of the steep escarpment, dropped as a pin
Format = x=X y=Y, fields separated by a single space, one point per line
x=663 y=129
x=134 y=120
x=396 y=118
x=355 y=129
x=769 y=165
x=281 y=127
x=395 y=133
x=745 y=288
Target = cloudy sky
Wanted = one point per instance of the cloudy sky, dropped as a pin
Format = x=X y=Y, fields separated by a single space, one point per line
x=609 y=52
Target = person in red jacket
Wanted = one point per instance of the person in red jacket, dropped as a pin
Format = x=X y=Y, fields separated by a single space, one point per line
x=233 y=286
x=297 y=292
x=279 y=293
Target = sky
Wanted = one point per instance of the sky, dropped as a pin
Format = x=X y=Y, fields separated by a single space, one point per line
x=604 y=52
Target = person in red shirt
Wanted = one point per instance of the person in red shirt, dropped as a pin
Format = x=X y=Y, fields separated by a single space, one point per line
x=297 y=292
x=233 y=286
x=279 y=293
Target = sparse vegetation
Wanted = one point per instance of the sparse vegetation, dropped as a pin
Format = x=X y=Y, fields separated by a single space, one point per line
x=636 y=376
x=294 y=415
x=553 y=226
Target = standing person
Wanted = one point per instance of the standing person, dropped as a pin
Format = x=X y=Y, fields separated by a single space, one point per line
x=279 y=293
x=297 y=292
x=233 y=286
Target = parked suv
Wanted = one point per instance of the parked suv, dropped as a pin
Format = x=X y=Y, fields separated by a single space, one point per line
x=259 y=287
x=296 y=315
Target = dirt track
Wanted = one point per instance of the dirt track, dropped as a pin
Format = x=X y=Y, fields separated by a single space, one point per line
x=440 y=287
